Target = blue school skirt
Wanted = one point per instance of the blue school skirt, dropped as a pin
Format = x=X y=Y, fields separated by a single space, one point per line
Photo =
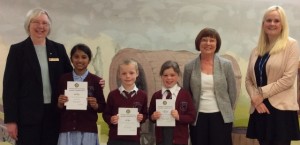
x=78 y=138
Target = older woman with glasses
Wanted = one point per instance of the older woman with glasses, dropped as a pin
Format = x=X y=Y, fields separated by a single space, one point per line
x=30 y=81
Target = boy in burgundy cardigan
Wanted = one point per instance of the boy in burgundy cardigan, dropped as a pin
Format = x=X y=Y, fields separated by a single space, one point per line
x=184 y=112
x=126 y=96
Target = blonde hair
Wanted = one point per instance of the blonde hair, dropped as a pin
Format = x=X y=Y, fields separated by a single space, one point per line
x=35 y=13
x=127 y=62
x=281 y=41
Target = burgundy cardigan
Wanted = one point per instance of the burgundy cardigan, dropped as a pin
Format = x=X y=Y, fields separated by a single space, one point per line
x=187 y=114
x=115 y=100
x=82 y=120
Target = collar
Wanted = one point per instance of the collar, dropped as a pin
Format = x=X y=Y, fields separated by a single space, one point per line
x=121 y=89
x=174 y=90
x=79 y=78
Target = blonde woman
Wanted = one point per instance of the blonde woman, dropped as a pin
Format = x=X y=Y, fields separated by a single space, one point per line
x=271 y=82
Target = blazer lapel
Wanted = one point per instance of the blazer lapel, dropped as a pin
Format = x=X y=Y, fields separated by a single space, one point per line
x=196 y=76
x=31 y=55
x=51 y=54
x=218 y=73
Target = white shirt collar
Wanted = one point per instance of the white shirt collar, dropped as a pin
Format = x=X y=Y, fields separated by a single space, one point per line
x=121 y=89
x=174 y=91
x=79 y=78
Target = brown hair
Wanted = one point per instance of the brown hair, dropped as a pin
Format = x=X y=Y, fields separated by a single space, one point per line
x=208 y=32
x=170 y=64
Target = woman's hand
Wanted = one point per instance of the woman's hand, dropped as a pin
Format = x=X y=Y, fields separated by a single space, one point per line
x=257 y=100
x=261 y=108
x=93 y=102
x=102 y=83
x=12 y=129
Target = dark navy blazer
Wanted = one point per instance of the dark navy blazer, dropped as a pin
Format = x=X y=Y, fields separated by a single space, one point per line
x=22 y=82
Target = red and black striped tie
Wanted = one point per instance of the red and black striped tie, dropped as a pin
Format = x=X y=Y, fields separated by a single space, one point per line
x=169 y=94
x=129 y=94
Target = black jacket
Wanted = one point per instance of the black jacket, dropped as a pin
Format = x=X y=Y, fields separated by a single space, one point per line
x=22 y=82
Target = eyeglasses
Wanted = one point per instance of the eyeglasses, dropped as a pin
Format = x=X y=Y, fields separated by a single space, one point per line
x=210 y=40
x=37 y=23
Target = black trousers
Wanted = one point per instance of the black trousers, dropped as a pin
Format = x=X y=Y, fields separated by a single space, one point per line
x=43 y=133
x=211 y=130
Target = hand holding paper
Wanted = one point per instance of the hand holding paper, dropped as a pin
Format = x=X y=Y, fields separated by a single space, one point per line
x=165 y=107
x=77 y=95
x=128 y=123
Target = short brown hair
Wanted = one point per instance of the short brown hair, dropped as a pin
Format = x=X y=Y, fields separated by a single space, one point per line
x=208 y=32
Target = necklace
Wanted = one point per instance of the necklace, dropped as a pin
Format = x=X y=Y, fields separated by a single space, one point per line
x=261 y=64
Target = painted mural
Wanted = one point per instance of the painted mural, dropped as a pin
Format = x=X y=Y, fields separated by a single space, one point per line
x=109 y=26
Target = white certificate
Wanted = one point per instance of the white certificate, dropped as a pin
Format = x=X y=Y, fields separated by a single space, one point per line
x=127 y=124
x=165 y=106
x=77 y=95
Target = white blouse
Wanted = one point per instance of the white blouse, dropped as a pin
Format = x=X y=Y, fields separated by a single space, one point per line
x=208 y=102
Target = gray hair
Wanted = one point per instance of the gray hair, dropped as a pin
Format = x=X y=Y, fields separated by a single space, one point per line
x=35 y=13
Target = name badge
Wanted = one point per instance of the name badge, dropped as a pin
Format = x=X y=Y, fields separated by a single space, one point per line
x=53 y=59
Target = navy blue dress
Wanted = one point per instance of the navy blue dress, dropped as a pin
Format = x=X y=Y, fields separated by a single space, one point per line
x=279 y=125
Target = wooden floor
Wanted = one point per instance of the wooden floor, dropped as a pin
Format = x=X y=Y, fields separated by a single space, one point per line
x=239 y=137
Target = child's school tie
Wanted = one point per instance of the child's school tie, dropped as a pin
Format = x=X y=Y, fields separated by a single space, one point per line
x=169 y=95
x=129 y=94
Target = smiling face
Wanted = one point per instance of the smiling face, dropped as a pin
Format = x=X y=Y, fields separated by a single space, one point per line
x=128 y=74
x=39 y=26
x=80 y=61
x=208 y=45
x=272 y=25
x=169 y=77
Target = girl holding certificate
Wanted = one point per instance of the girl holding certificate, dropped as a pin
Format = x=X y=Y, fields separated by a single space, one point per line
x=79 y=126
x=183 y=114
x=126 y=96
